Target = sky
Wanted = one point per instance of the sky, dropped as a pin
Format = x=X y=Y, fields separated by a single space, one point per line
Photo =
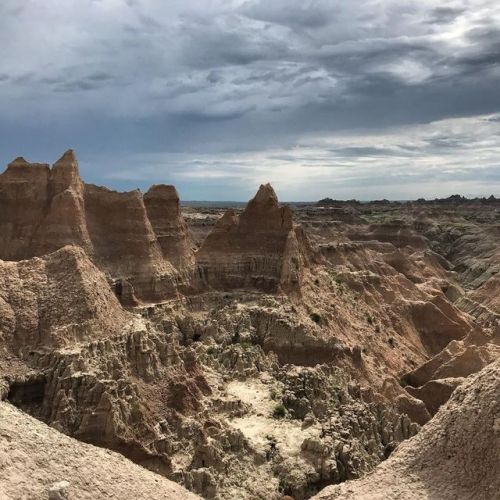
x=339 y=98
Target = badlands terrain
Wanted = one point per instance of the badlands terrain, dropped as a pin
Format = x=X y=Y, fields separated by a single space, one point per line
x=324 y=350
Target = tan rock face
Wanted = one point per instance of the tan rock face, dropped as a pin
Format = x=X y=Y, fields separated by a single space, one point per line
x=259 y=249
x=65 y=220
x=124 y=243
x=43 y=209
x=38 y=462
x=162 y=205
x=56 y=300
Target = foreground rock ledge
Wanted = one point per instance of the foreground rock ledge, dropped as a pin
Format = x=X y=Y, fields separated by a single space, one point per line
x=38 y=462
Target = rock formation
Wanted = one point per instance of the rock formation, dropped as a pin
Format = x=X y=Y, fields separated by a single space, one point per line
x=162 y=205
x=125 y=245
x=39 y=462
x=454 y=456
x=42 y=209
x=259 y=249
x=55 y=301
x=290 y=352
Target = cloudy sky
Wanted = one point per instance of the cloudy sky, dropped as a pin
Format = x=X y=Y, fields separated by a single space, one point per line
x=341 y=98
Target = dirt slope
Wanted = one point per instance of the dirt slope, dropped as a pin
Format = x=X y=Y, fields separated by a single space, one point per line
x=38 y=462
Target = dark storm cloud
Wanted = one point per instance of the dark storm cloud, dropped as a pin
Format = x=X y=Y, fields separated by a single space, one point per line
x=445 y=15
x=208 y=43
x=255 y=77
x=295 y=15
x=370 y=151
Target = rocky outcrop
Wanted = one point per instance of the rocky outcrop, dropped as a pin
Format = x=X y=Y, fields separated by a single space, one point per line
x=396 y=232
x=435 y=380
x=162 y=205
x=454 y=456
x=55 y=301
x=259 y=249
x=39 y=462
x=125 y=245
x=42 y=209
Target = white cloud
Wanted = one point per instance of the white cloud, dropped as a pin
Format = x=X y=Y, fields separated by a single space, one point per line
x=400 y=163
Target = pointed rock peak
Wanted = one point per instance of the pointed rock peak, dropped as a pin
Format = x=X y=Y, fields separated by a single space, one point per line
x=67 y=159
x=230 y=218
x=164 y=191
x=266 y=194
x=18 y=162
x=22 y=169
x=65 y=174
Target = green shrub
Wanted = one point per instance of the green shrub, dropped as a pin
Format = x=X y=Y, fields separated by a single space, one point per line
x=279 y=411
x=246 y=344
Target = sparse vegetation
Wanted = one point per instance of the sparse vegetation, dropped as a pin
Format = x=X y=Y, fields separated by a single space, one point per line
x=279 y=411
x=391 y=341
x=246 y=344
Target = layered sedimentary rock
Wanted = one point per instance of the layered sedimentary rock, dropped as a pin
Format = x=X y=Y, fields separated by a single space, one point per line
x=259 y=249
x=42 y=209
x=162 y=205
x=239 y=390
x=125 y=245
x=435 y=380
